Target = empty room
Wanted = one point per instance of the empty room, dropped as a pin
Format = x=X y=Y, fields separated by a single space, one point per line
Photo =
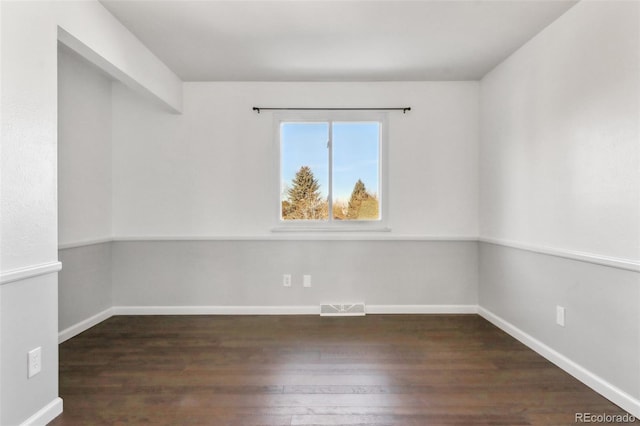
x=355 y=212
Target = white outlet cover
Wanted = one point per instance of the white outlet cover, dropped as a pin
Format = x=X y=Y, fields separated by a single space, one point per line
x=560 y=314
x=306 y=281
x=34 y=365
x=286 y=280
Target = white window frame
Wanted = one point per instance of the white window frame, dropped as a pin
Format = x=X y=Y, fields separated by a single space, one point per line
x=331 y=225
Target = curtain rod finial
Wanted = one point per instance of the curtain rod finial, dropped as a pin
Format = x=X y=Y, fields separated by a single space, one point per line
x=256 y=109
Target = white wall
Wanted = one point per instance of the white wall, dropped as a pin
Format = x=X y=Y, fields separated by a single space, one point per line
x=90 y=30
x=560 y=176
x=28 y=315
x=28 y=181
x=246 y=276
x=84 y=188
x=558 y=168
x=29 y=210
x=211 y=173
x=560 y=158
x=212 y=170
x=84 y=150
x=600 y=341
x=29 y=320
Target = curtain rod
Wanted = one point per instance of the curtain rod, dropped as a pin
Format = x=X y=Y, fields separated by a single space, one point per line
x=403 y=109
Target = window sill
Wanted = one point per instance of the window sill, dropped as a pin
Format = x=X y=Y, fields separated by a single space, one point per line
x=329 y=229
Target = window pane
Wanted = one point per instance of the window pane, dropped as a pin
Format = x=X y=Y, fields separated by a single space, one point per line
x=304 y=169
x=356 y=180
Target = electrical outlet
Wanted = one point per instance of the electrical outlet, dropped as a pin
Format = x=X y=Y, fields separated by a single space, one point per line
x=286 y=280
x=560 y=315
x=34 y=362
x=306 y=281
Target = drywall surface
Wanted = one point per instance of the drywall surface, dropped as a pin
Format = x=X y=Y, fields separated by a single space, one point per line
x=84 y=150
x=249 y=273
x=89 y=29
x=27 y=323
x=28 y=187
x=28 y=314
x=602 y=322
x=28 y=184
x=84 y=188
x=560 y=173
x=560 y=158
x=84 y=286
x=212 y=171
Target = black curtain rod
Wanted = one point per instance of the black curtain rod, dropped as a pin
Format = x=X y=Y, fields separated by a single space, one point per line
x=403 y=109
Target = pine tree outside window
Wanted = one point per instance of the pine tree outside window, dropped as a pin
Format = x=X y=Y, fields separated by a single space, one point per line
x=331 y=173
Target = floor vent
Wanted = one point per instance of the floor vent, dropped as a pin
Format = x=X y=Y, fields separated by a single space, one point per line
x=341 y=309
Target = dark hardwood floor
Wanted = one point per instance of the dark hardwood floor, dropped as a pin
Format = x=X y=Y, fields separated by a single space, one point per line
x=306 y=370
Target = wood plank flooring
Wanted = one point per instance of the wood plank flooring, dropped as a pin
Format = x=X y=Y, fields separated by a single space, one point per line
x=412 y=370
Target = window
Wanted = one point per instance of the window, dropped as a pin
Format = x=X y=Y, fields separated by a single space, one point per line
x=331 y=172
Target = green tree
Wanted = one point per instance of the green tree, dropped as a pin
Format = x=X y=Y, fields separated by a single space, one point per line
x=304 y=199
x=362 y=204
x=358 y=195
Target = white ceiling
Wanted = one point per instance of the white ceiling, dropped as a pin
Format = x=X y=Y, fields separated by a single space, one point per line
x=300 y=40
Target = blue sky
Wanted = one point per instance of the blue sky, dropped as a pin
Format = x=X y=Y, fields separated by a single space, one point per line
x=355 y=154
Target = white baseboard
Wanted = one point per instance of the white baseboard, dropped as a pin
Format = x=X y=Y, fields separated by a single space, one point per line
x=421 y=309
x=78 y=328
x=216 y=310
x=288 y=310
x=45 y=414
x=606 y=389
x=86 y=324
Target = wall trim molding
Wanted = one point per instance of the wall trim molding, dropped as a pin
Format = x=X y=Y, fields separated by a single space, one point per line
x=597 y=259
x=84 y=325
x=31 y=271
x=334 y=236
x=421 y=309
x=84 y=243
x=313 y=236
x=614 y=262
x=45 y=414
x=595 y=382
